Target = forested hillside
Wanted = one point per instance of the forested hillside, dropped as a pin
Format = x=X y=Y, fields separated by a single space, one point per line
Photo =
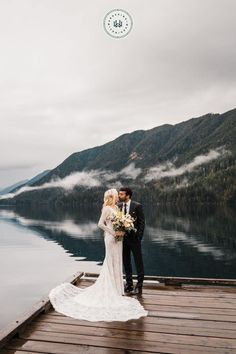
x=193 y=161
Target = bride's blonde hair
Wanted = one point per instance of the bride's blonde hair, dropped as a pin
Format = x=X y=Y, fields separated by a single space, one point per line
x=109 y=197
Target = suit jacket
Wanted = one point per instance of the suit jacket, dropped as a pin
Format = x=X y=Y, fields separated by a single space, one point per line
x=136 y=211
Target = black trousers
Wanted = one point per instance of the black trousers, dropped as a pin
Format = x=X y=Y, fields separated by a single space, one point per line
x=133 y=244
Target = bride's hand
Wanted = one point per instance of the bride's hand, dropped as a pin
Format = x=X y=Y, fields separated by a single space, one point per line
x=120 y=233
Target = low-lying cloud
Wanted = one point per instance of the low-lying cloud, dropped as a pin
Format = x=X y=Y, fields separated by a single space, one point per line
x=87 y=179
x=84 y=179
x=168 y=169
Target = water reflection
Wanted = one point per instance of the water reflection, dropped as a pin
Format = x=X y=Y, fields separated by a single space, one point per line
x=171 y=239
x=198 y=242
x=80 y=238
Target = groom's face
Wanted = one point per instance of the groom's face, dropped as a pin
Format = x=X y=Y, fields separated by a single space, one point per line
x=123 y=197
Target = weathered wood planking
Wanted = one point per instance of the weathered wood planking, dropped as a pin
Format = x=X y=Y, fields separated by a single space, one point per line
x=182 y=319
x=180 y=280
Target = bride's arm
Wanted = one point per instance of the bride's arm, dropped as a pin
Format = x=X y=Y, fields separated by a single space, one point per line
x=102 y=221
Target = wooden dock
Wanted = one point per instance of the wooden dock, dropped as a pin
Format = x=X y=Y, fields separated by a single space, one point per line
x=185 y=316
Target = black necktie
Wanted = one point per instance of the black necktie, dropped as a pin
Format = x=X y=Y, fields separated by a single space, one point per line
x=125 y=209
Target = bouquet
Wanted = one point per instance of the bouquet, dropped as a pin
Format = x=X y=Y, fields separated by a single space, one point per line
x=122 y=222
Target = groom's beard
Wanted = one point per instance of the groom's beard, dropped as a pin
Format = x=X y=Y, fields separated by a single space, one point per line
x=122 y=201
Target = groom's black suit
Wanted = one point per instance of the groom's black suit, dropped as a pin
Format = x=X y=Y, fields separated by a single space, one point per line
x=132 y=243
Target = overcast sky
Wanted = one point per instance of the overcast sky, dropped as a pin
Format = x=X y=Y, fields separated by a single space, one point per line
x=66 y=85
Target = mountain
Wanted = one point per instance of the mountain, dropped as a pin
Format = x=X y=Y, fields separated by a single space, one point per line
x=12 y=187
x=38 y=177
x=192 y=161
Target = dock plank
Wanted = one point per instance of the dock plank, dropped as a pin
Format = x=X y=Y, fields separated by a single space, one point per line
x=141 y=323
x=13 y=351
x=121 y=331
x=59 y=318
x=62 y=348
x=51 y=344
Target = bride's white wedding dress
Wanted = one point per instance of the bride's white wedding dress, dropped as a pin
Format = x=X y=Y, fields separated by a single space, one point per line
x=103 y=300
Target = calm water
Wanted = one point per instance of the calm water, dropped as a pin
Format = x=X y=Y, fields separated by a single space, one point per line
x=40 y=248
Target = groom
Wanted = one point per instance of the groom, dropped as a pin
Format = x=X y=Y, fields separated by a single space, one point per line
x=132 y=240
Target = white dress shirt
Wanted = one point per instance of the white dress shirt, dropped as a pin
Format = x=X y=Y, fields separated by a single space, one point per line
x=127 y=206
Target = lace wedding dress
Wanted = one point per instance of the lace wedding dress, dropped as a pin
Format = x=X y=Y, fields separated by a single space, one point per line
x=103 y=300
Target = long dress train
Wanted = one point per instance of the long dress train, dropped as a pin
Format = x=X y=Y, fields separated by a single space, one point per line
x=103 y=300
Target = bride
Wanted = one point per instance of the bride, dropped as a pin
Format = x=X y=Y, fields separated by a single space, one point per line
x=104 y=300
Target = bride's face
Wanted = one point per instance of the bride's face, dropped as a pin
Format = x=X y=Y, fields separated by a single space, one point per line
x=116 y=198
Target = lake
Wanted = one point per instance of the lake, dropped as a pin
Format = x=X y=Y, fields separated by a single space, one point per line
x=41 y=247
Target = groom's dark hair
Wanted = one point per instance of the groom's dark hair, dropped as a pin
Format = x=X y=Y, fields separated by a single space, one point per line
x=127 y=190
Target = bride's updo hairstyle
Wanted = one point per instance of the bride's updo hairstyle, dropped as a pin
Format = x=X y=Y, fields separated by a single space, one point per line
x=109 y=196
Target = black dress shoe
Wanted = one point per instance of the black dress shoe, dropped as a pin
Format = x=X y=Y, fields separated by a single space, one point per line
x=128 y=288
x=137 y=291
